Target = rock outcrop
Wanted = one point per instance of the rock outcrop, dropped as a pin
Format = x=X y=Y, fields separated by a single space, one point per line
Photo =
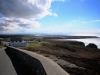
x=92 y=45
x=76 y=43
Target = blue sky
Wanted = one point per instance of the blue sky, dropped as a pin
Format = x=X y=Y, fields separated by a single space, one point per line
x=72 y=17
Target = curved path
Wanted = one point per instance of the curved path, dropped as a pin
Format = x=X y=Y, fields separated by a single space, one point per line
x=8 y=66
x=50 y=66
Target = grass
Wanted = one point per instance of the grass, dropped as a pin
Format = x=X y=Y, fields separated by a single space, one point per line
x=35 y=44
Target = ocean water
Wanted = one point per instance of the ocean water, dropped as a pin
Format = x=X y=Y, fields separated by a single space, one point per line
x=87 y=41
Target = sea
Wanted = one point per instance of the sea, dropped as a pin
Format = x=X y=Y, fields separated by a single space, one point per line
x=86 y=41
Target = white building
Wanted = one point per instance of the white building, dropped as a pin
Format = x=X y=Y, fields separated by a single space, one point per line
x=18 y=43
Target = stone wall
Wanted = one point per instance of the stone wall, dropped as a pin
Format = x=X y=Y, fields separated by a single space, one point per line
x=30 y=65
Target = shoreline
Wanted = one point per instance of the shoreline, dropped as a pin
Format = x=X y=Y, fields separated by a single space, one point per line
x=84 y=40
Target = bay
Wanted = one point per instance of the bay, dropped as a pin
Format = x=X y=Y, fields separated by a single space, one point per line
x=86 y=41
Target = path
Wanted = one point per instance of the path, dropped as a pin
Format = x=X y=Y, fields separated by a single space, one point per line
x=7 y=65
x=50 y=66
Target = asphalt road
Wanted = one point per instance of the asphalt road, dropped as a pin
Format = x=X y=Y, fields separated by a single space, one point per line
x=7 y=65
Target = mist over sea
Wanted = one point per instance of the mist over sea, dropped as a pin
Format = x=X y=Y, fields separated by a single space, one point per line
x=87 y=41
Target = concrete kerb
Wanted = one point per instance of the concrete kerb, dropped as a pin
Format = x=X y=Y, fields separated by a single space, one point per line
x=50 y=66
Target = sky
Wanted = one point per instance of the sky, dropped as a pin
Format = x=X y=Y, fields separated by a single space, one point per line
x=64 y=17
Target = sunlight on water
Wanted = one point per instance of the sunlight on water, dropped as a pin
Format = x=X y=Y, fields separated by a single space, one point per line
x=89 y=40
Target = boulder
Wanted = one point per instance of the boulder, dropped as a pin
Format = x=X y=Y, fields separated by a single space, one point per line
x=92 y=45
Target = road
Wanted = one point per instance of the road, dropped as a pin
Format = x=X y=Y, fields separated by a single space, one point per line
x=7 y=65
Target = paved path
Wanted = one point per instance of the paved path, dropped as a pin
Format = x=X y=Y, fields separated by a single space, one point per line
x=7 y=66
x=50 y=66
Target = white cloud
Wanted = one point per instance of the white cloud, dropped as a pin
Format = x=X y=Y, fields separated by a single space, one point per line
x=11 y=24
x=95 y=21
x=87 y=32
x=21 y=14
x=55 y=15
x=61 y=0
x=25 y=8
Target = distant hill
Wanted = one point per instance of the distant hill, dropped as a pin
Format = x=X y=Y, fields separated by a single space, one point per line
x=69 y=37
x=46 y=37
x=13 y=35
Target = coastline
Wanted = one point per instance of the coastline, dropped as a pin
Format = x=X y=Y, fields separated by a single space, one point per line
x=86 y=41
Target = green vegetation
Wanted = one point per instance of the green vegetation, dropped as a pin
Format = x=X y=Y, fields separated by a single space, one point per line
x=33 y=46
x=36 y=44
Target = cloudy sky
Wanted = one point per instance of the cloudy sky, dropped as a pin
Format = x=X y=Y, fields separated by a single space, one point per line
x=73 y=17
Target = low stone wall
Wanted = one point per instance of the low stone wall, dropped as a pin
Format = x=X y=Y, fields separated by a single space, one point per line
x=30 y=65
